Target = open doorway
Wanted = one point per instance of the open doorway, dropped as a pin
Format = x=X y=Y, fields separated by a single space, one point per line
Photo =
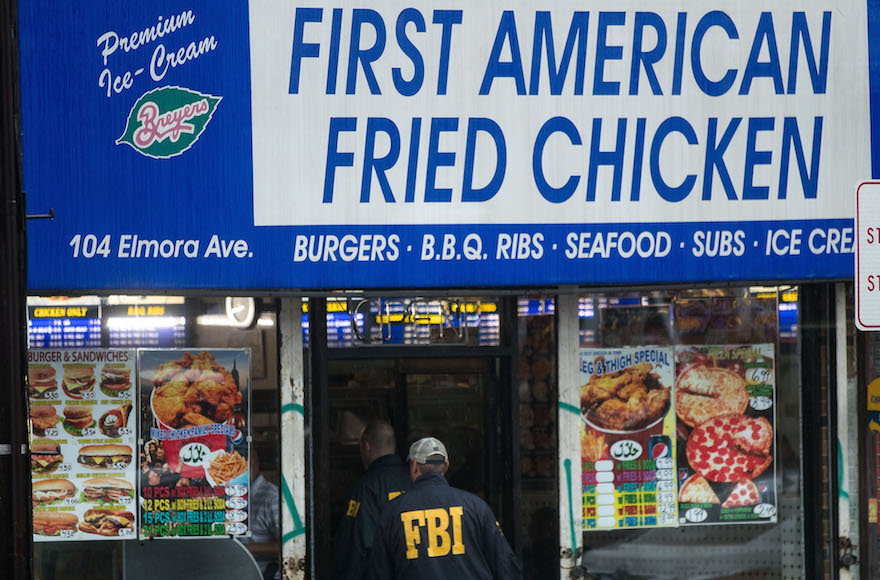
x=453 y=399
x=455 y=383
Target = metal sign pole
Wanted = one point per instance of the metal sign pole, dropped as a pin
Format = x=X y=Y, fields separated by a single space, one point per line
x=14 y=470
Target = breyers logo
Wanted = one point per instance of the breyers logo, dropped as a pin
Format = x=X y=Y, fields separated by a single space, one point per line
x=167 y=121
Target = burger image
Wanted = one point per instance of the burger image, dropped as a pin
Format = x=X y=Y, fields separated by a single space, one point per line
x=77 y=418
x=43 y=417
x=53 y=523
x=41 y=381
x=113 y=420
x=115 y=378
x=104 y=456
x=78 y=379
x=106 y=490
x=106 y=522
x=45 y=456
x=49 y=491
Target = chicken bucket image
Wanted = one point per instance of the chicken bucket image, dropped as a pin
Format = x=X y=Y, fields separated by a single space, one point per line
x=196 y=410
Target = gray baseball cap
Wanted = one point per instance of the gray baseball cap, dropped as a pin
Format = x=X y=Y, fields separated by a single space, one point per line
x=424 y=448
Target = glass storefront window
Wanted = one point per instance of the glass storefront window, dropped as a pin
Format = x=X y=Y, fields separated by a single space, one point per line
x=434 y=378
x=741 y=343
x=186 y=326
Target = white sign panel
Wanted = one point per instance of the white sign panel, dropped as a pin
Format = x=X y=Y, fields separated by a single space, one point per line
x=517 y=113
x=868 y=255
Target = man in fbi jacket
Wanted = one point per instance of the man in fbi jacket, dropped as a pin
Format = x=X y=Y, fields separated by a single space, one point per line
x=438 y=532
x=387 y=477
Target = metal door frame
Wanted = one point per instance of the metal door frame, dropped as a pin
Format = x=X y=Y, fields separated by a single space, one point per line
x=319 y=521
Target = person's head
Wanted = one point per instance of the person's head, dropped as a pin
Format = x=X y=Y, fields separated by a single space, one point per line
x=427 y=455
x=151 y=447
x=377 y=440
x=153 y=478
x=254 y=462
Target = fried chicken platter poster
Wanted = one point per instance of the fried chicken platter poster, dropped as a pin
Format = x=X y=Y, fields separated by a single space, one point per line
x=194 y=446
x=627 y=437
x=82 y=435
x=725 y=409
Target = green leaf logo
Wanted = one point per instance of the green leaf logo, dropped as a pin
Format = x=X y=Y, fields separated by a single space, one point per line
x=167 y=121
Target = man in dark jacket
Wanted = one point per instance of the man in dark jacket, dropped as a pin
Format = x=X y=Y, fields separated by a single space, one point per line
x=387 y=477
x=438 y=532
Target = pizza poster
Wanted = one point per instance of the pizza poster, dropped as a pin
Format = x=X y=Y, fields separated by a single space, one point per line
x=194 y=446
x=627 y=437
x=82 y=436
x=725 y=424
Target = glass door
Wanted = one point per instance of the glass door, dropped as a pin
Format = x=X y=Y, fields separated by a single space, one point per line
x=447 y=398
x=452 y=399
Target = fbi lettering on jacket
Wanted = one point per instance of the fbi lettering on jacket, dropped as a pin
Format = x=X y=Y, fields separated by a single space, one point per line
x=437 y=522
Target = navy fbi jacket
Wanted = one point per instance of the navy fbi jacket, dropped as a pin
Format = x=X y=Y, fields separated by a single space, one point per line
x=386 y=478
x=438 y=532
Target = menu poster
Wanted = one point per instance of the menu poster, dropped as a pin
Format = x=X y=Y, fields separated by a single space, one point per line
x=627 y=437
x=82 y=439
x=725 y=408
x=67 y=326
x=194 y=447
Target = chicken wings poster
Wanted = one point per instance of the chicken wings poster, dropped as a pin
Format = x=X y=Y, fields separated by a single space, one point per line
x=195 y=432
x=628 y=437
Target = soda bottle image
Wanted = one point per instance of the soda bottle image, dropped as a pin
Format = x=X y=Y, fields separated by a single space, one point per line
x=660 y=447
x=763 y=492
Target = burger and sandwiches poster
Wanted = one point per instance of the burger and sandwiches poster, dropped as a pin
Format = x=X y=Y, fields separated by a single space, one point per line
x=83 y=433
x=674 y=437
x=194 y=476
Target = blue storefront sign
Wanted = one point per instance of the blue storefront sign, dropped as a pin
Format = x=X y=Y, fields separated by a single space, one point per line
x=294 y=145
